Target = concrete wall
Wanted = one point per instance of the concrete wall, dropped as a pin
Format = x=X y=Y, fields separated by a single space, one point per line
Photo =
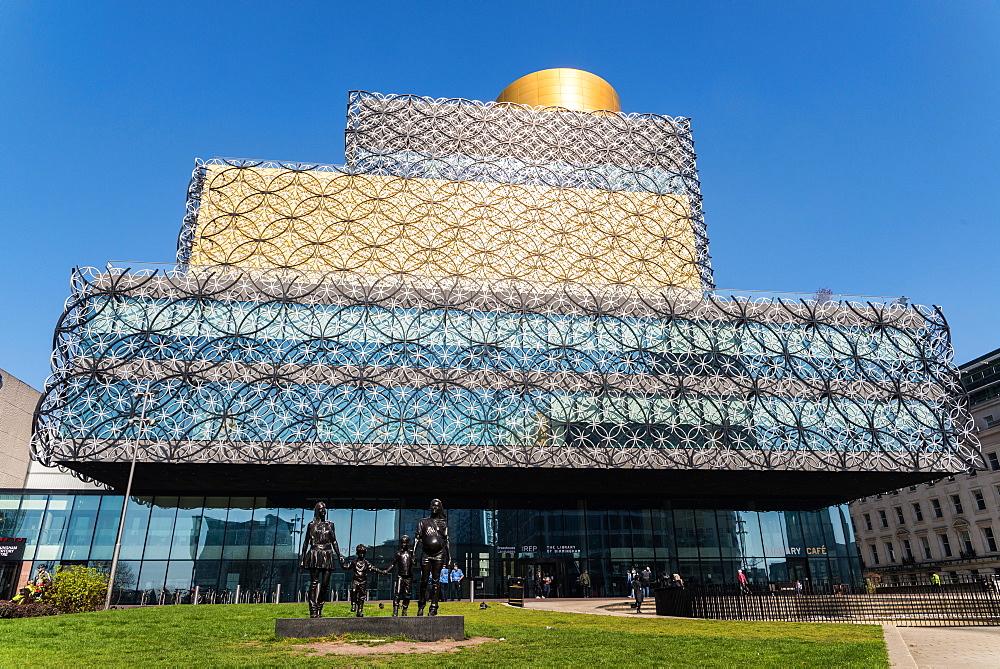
x=17 y=403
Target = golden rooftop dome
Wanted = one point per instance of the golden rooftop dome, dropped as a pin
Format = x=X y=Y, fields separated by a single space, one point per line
x=563 y=87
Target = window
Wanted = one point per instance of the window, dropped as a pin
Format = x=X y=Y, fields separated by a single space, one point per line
x=907 y=551
x=925 y=545
x=890 y=554
x=913 y=488
x=936 y=508
x=965 y=541
x=956 y=501
x=945 y=545
x=868 y=521
x=994 y=461
x=875 y=559
x=899 y=515
x=977 y=496
x=882 y=518
x=991 y=540
x=918 y=515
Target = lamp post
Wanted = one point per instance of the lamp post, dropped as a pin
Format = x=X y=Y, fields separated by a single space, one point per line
x=144 y=395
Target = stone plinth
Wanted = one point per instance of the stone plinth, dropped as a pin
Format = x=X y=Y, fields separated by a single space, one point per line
x=424 y=628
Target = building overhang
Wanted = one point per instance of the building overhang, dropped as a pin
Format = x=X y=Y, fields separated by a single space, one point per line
x=544 y=486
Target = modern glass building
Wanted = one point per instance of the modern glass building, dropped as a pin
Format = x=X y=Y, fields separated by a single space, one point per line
x=506 y=305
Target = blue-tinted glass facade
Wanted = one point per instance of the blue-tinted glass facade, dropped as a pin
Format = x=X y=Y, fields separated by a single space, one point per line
x=218 y=543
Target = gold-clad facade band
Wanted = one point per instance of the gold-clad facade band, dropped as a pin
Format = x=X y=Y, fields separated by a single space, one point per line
x=563 y=87
x=321 y=221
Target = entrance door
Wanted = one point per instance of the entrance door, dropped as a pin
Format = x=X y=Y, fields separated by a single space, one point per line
x=9 y=573
x=798 y=570
x=563 y=572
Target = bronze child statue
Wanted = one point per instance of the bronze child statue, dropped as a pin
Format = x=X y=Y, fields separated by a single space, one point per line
x=360 y=568
x=318 y=550
x=402 y=562
x=435 y=552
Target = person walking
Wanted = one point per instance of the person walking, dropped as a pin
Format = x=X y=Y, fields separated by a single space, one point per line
x=744 y=581
x=935 y=580
x=546 y=586
x=645 y=577
x=456 y=577
x=585 y=583
x=637 y=593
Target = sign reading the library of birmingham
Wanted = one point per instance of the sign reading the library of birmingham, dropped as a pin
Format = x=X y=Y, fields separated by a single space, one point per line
x=485 y=285
x=12 y=548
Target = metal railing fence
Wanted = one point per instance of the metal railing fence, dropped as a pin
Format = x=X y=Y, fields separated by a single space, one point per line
x=958 y=601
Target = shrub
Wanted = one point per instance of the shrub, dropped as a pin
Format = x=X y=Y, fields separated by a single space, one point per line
x=28 y=610
x=76 y=589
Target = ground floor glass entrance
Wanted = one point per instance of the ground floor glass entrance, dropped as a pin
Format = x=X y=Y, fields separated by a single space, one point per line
x=173 y=544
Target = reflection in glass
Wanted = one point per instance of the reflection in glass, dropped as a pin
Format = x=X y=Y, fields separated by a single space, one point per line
x=106 y=530
x=80 y=534
x=134 y=532
x=238 y=523
x=54 y=526
x=213 y=528
x=161 y=528
x=187 y=528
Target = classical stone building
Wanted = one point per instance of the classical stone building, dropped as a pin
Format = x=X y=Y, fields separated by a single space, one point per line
x=949 y=526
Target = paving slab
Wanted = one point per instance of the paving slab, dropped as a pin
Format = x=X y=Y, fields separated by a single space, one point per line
x=952 y=647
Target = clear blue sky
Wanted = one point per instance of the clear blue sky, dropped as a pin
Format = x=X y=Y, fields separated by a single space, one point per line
x=849 y=145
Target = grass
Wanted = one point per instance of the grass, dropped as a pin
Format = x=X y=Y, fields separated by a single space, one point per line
x=242 y=635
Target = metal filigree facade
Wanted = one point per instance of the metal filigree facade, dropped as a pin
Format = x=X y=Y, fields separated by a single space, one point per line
x=485 y=285
x=273 y=367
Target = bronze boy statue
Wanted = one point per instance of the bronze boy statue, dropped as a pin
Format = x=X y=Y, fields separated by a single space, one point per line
x=360 y=569
x=403 y=563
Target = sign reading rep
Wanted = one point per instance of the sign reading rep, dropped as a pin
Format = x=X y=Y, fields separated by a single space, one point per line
x=12 y=548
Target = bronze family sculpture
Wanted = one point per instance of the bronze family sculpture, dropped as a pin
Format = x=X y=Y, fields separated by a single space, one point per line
x=321 y=554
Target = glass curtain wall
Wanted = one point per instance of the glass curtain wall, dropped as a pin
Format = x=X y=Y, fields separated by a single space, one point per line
x=173 y=544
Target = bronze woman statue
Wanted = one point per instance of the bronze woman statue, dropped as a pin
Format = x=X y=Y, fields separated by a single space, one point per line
x=318 y=550
x=435 y=552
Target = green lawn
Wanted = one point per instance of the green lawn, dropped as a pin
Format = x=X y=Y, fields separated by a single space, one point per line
x=242 y=635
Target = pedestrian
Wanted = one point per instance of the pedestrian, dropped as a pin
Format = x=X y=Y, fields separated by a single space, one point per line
x=537 y=582
x=546 y=586
x=637 y=593
x=678 y=581
x=645 y=577
x=798 y=587
x=444 y=580
x=585 y=583
x=744 y=581
x=456 y=582
x=935 y=580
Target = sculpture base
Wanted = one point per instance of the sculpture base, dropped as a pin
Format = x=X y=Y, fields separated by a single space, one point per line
x=423 y=628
